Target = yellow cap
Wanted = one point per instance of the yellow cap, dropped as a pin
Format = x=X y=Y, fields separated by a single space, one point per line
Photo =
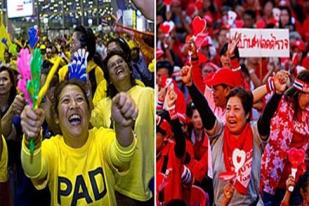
x=43 y=46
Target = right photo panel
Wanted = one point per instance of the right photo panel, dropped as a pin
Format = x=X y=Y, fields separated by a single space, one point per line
x=232 y=102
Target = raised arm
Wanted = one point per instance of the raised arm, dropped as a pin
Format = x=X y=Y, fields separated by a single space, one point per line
x=146 y=7
x=180 y=139
x=269 y=86
x=280 y=85
x=31 y=122
x=199 y=100
x=15 y=109
x=124 y=113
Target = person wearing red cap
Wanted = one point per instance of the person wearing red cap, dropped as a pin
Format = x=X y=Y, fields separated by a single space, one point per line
x=224 y=76
x=173 y=177
x=236 y=139
x=222 y=81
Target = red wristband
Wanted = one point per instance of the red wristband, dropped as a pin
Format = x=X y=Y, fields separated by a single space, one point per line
x=270 y=84
x=172 y=112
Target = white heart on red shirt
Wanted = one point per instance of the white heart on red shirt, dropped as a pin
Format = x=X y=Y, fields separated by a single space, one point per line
x=238 y=158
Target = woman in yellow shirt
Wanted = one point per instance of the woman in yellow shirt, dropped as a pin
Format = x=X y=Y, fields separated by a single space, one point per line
x=132 y=188
x=83 y=38
x=78 y=166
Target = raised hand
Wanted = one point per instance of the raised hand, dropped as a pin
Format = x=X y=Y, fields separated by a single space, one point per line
x=281 y=81
x=233 y=44
x=290 y=182
x=78 y=65
x=18 y=104
x=190 y=47
x=171 y=97
x=186 y=75
x=162 y=93
x=124 y=110
x=31 y=122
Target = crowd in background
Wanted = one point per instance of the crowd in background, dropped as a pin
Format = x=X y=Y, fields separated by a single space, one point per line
x=213 y=104
x=75 y=162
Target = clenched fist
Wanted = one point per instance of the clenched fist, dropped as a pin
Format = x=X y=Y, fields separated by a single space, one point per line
x=124 y=110
x=31 y=122
x=281 y=81
x=18 y=104
x=186 y=75
x=171 y=97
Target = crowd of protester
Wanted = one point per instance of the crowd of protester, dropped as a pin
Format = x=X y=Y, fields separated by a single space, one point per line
x=226 y=124
x=93 y=132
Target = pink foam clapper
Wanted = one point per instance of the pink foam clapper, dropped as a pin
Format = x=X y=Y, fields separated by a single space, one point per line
x=296 y=158
x=166 y=27
x=199 y=26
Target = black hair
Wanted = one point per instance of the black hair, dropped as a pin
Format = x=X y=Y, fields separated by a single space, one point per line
x=290 y=24
x=250 y=13
x=111 y=89
x=292 y=93
x=245 y=97
x=165 y=65
x=123 y=45
x=164 y=115
x=190 y=108
x=46 y=66
x=12 y=77
x=160 y=130
x=88 y=39
x=303 y=181
x=82 y=85
x=176 y=202
x=8 y=52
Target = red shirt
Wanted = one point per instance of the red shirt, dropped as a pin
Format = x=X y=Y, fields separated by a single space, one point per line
x=199 y=165
x=174 y=188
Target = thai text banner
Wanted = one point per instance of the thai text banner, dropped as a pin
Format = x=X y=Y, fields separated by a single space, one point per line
x=263 y=42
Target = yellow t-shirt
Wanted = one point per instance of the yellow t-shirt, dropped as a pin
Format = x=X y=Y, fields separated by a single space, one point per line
x=100 y=92
x=83 y=176
x=4 y=162
x=99 y=75
x=135 y=183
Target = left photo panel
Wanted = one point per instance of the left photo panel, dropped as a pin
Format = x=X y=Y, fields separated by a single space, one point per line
x=77 y=102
